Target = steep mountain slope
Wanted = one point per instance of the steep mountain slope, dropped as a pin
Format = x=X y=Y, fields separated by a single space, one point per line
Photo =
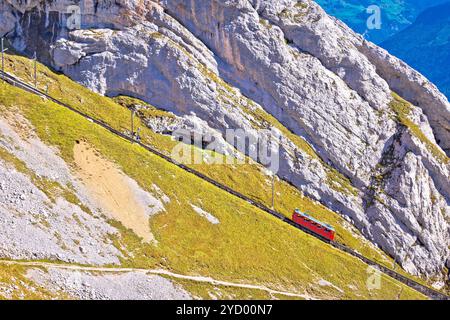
x=346 y=140
x=251 y=253
x=396 y=15
x=425 y=45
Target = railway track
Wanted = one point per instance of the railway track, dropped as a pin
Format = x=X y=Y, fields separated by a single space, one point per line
x=431 y=293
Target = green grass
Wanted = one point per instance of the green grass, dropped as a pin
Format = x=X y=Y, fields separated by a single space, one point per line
x=13 y=277
x=247 y=245
x=402 y=109
x=296 y=17
x=148 y=112
x=248 y=179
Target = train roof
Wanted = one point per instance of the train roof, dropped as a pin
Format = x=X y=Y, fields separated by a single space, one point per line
x=326 y=225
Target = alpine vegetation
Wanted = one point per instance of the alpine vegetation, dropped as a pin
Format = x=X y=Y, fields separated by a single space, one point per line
x=278 y=104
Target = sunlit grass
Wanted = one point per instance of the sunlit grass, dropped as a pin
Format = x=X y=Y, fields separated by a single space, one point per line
x=248 y=245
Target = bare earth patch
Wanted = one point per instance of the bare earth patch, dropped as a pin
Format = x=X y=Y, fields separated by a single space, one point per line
x=117 y=195
x=37 y=219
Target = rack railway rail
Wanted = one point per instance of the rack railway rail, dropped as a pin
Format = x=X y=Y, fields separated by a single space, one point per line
x=431 y=293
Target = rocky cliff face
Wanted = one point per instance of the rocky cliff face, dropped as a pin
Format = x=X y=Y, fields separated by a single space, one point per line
x=380 y=161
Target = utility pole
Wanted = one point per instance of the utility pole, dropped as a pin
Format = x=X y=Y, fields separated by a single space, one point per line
x=273 y=175
x=132 y=122
x=138 y=134
x=35 y=69
x=273 y=191
x=3 y=55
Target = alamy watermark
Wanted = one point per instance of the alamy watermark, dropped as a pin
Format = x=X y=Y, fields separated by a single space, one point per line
x=374 y=21
x=374 y=278
x=75 y=12
x=260 y=145
x=74 y=20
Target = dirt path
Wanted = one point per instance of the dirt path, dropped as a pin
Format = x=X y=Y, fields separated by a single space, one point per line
x=117 y=195
x=160 y=272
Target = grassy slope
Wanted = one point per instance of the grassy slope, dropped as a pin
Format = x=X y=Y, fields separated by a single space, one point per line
x=249 y=179
x=246 y=245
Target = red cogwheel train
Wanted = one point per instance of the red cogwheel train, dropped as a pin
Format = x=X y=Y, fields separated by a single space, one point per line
x=316 y=226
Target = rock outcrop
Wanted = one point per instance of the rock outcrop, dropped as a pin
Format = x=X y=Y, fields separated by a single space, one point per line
x=283 y=65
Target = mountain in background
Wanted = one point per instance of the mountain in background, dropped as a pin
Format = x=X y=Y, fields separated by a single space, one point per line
x=396 y=14
x=425 y=45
